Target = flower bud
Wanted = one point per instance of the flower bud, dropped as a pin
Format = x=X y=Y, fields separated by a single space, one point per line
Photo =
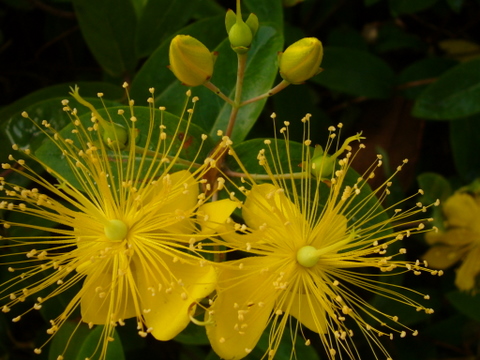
x=301 y=60
x=240 y=33
x=190 y=60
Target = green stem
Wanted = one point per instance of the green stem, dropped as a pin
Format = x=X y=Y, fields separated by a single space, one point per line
x=242 y=62
x=217 y=91
x=282 y=85
x=297 y=175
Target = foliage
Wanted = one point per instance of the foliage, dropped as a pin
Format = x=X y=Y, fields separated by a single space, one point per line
x=405 y=72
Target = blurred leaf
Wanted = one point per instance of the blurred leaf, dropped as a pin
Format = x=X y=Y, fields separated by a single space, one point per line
x=159 y=20
x=139 y=5
x=460 y=49
x=392 y=37
x=355 y=72
x=415 y=78
x=435 y=187
x=270 y=11
x=90 y=343
x=108 y=27
x=409 y=6
x=464 y=140
x=207 y=9
x=193 y=335
x=454 y=95
x=465 y=303
x=88 y=88
x=442 y=330
x=62 y=337
x=346 y=37
x=456 y=5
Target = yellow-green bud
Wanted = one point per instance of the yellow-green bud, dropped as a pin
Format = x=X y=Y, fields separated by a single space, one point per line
x=322 y=165
x=190 y=60
x=240 y=33
x=301 y=60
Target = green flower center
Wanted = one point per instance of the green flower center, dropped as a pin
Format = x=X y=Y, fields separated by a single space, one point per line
x=308 y=256
x=116 y=230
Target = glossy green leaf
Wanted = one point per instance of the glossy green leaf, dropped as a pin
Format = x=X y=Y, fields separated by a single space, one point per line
x=88 y=88
x=409 y=6
x=355 y=72
x=192 y=145
x=193 y=335
x=212 y=113
x=455 y=94
x=62 y=337
x=109 y=27
x=410 y=79
x=24 y=133
x=89 y=346
x=159 y=20
x=270 y=11
x=464 y=139
x=465 y=303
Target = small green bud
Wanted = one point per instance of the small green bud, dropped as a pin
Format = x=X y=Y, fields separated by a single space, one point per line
x=301 y=60
x=240 y=33
x=322 y=165
x=190 y=60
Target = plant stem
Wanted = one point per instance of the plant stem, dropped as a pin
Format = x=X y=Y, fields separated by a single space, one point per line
x=242 y=62
x=282 y=85
x=217 y=91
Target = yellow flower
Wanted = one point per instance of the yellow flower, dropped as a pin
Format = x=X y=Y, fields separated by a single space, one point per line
x=459 y=241
x=128 y=225
x=301 y=60
x=312 y=243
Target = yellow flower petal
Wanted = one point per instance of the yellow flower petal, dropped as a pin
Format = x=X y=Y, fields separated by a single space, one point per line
x=96 y=305
x=242 y=310
x=461 y=210
x=176 y=195
x=456 y=237
x=308 y=310
x=329 y=230
x=215 y=214
x=442 y=257
x=468 y=271
x=169 y=289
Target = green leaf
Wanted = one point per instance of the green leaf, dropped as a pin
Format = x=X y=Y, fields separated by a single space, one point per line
x=159 y=20
x=88 y=88
x=435 y=187
x=108 y=27
x=465 y=303
x=409 y=6
x=355 y=72
x=25 y=133
x=90 y=346
x=454 y=95
x=193 y=335
x=456 y=5
x=62 y=337
x=49 y=153
x=424 y=69
x=464 y=139
x=270 y=11
x=139 y=5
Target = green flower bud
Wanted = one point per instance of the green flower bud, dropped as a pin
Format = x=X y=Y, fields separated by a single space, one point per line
x=240 y=33
x=322 y=165
x=301 y=60
x=190 y=60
